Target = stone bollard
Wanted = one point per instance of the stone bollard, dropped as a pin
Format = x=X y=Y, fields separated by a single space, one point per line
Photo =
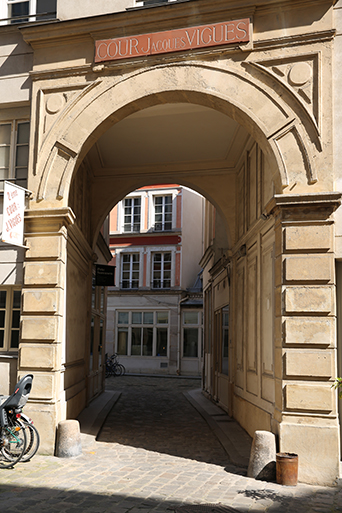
x=262 y=461
x=68 y=443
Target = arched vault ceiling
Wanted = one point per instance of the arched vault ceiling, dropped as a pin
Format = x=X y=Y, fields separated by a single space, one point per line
x=169 y=134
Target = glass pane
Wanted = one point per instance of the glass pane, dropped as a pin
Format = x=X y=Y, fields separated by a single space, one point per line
x=23 y=133
x=2 y=335
x=225 y=343
x=46 y=6
x=158 y=200
x=122 y=341
x=93 y=297
x=92 y=335
x=3 y=176
x=136 y=341
x=167 y=257
x=147 y=341
x=2 y=318
x=21 y=172
x=136 y=317
x=162 y=317
x=15 y=318
x=122 y=317
x=16 y=298
x=18 y=11
x=161 y=342
x=190 y=343
x=102 y=299
x=101 y=336
x=15 y=339
x=4 y=156
x=190 y=318
x=22 y=156
x=3 y=294
x=5 y=134
x=148 y=317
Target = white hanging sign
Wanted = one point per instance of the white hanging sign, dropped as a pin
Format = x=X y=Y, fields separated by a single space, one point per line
x=13 y=214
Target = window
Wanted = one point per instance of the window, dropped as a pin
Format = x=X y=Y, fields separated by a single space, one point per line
x=132 y=211
x=22 y=11
x=10 y=303
x=163 y=212
x=142 y=333
x=97 y=326
x=14 y=148
x=192 y=334
x=225 y=341
x=130 y=270
x=161 y=271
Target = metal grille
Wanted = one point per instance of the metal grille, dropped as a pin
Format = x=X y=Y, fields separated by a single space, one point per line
x=206 y=508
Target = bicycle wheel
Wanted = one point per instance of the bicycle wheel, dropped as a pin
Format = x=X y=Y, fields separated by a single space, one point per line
x=118 y=369
x=33 y=441
x=12 y=444
x=123 y=369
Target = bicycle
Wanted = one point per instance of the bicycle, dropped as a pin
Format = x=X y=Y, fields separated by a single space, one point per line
x=113 y=367
x=13 y=442
x=19 y=438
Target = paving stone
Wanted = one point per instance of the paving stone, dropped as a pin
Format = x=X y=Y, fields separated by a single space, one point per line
x=155 y=453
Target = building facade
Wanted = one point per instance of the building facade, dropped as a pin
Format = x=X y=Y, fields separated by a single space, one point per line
x=154 y=317
x=239 y=101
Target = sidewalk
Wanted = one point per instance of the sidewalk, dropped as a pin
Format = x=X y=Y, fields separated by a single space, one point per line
x=171 y=449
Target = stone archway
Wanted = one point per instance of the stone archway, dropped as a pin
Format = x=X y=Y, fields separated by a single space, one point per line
x=71 y=119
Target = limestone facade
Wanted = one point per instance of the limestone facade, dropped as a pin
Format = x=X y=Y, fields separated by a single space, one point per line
x=262 y=147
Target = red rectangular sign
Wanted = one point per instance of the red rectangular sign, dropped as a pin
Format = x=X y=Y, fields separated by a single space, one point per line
x=178 y=40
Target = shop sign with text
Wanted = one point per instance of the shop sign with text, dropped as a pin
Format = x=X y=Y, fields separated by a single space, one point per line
x=203 y=36
x=13 y=214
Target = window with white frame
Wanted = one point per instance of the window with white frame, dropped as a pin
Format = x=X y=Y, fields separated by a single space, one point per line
x=132 y=214
x=130 y=268
x=22 y=11
x=192 y=334
x=161 y=270
x=10 y=303
x=163 y=212
x=14 y=150
x=142 y=333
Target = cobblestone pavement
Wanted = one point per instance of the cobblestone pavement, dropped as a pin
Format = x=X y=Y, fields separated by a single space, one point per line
x=154 y=454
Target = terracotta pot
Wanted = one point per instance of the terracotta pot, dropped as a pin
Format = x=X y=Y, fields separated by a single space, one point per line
x=287 y=468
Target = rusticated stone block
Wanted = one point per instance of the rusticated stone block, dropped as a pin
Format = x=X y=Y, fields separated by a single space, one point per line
x=43 y=387
x=307 y=330
x=308 y=363
x=309 y=268
x=42 y=273
x=308 y=238
x=39 y=328
x=309 y=299
x=49 y=246
x=42 y=356
x=309 y=397
x=40 y=301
